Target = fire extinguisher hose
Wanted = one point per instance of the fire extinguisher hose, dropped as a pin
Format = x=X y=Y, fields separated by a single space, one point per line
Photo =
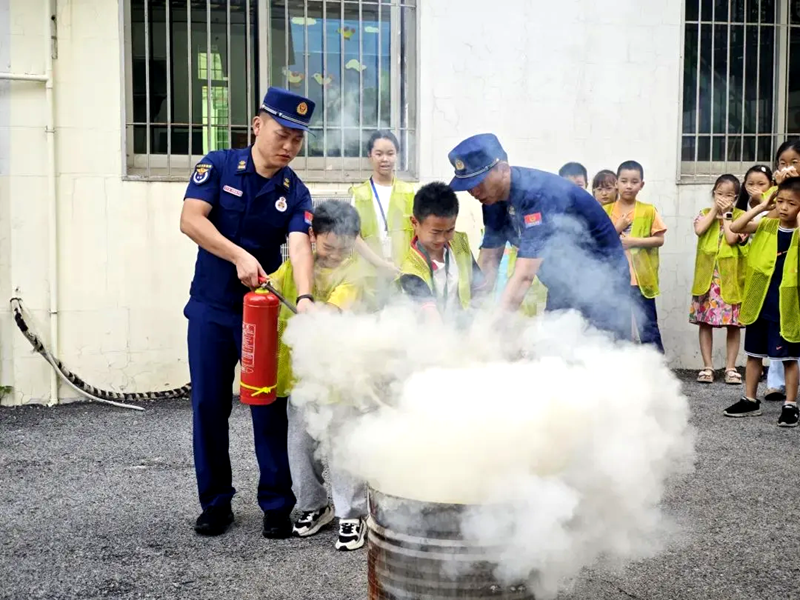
x=268 y=286
x=78 y=384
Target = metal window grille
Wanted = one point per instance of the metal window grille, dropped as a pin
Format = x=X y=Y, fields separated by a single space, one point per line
x=196 y=71
x=191 y=81
x=741 y=84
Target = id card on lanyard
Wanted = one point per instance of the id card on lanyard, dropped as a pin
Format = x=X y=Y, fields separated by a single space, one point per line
x=386 y=240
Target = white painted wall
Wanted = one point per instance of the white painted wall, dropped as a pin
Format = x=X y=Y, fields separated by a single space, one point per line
x=597 y=82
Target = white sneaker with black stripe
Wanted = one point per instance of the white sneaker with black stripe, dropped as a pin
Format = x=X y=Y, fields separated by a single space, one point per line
x=311 y=521
x=352 y=534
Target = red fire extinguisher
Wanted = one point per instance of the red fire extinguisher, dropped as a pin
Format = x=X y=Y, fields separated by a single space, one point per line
x=259 y=377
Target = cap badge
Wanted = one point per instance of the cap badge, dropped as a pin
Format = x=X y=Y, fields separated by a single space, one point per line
x=302 y=109
x=280 y=204
x=459 y=165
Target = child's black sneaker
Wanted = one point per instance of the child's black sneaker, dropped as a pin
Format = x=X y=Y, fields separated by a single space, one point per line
x=744 y=408
x=352 y=533
x=775 y=395
x=790 y=415
x=311 y=521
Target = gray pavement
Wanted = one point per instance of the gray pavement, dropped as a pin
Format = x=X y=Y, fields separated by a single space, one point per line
x=98 y=502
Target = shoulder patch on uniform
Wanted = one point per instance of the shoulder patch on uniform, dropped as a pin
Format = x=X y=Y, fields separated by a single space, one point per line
x=202 y=171
x=533 y=219
x=309 y=216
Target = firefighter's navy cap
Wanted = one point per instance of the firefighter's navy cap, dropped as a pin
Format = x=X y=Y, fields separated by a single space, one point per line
x=473 y=158
x=287 y=108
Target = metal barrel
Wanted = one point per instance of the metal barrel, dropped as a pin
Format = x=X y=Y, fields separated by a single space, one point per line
x=416 y=552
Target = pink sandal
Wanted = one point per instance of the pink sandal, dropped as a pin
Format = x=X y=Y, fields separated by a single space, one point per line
x=705 y=376
x=732 y=377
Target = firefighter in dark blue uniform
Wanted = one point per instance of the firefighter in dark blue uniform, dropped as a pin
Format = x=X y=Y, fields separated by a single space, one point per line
x=240 y=207
x=563 y=235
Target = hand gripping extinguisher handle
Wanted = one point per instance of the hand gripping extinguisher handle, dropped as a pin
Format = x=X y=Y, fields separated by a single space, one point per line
x=268 y=286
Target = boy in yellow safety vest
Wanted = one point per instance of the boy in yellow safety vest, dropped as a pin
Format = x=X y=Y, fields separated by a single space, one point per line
x=771 y=304
x=642 y=232
x=439 y=270
x=338 y=283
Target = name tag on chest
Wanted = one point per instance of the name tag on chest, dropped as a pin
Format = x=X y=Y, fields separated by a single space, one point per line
x=231 y=190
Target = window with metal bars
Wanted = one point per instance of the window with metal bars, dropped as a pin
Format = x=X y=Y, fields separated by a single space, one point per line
x=741 y=84
x=196 y=71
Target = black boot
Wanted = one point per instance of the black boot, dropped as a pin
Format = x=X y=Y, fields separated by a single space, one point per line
x=215 y=520
x=277 y=526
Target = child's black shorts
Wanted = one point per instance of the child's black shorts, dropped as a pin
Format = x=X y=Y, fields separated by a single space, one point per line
x=763 y=339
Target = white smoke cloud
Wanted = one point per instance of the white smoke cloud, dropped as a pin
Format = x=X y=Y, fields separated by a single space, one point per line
x=561 y=439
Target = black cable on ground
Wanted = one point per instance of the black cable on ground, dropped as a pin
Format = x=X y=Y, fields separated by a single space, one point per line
x=78 y=384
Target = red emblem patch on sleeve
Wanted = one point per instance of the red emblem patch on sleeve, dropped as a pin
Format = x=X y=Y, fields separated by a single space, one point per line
x=308 y=216
x=533 y=219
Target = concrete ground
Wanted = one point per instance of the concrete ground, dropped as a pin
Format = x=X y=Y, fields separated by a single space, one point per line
x=98 y=502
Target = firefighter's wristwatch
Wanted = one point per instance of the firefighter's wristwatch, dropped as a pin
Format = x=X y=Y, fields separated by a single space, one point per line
x=305 y=297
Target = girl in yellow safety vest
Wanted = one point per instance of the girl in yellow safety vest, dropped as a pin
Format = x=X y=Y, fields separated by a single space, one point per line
x=384 y=204
x=771 y=299
x=718 y=278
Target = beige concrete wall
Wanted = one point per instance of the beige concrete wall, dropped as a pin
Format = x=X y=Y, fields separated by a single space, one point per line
x=596 y=82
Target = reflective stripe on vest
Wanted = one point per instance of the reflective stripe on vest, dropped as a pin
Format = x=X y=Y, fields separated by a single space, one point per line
x=760 y=267
x=713 y=249
x=398 y=218
x=415 y=264
x=645 y=260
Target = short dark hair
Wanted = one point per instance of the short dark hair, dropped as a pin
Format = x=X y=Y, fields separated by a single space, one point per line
x=335 y=216
x=435 y=199
x=382 y=134
x=631 y=165
x=604 y=177
x=790 y=184
x=573 y=169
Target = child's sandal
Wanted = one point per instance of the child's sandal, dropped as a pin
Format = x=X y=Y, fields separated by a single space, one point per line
x=705 y=376
x=733 y=377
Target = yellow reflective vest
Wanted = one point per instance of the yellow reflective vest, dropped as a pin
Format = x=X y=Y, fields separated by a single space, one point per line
x=415 y=264
x=398 y=218
x=342 y=286
x=537 y=293
x=645 y=260
x=713 y=249
x=760 y=266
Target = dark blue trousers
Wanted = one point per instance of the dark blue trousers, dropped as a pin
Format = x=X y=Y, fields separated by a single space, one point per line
x=646 y=319
x=215 y=343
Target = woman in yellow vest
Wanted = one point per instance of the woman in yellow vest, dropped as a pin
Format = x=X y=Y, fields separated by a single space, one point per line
x=438 y=269
x=384 y=204
x=771 y=300
x=641 y=231
x=718 y=278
